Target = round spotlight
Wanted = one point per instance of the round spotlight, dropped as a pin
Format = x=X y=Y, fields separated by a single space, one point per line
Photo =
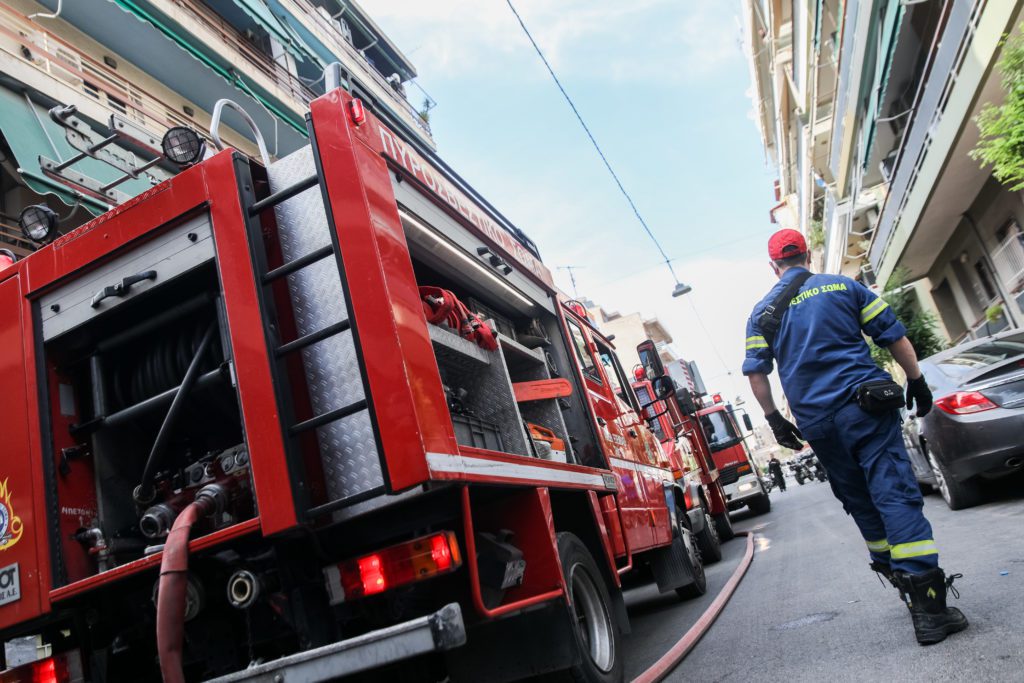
x=183 y=145
x=38 y=223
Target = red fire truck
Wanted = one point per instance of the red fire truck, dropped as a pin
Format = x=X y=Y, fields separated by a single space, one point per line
x=322 y=417
x=687 y=452
x=737 y=471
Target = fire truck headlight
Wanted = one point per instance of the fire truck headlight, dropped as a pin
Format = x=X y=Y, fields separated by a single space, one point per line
x=38 y=223
x=183 y=145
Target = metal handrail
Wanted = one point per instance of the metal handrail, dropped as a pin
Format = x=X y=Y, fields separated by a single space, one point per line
x=218 y=111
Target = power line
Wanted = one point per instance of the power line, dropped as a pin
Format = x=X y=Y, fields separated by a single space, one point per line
x=615 y=177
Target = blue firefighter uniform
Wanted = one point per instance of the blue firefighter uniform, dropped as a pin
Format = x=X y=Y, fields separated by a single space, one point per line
x=822 y=359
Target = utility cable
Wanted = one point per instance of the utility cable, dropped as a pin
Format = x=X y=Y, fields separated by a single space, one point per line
x=579 y=117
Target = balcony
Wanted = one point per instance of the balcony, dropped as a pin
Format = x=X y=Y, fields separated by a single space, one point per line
x=1008 y=258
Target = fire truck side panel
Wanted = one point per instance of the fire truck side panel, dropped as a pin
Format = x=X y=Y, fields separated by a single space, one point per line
x=22 y=563
x=399 y=358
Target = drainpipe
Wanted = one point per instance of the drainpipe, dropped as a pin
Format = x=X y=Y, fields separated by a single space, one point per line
x=992 y=269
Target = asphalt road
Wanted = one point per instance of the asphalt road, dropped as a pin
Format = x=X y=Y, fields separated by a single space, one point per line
x=810 y=610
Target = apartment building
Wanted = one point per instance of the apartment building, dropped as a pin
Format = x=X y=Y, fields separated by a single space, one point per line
x=155 y=64
x=867 y=109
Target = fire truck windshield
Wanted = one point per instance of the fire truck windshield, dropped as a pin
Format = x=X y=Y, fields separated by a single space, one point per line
x=719 y=430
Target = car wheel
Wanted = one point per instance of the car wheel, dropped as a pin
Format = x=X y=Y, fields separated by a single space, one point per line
x=708 y=541
x=723 y=525
x=596 y=635
x=957 y=494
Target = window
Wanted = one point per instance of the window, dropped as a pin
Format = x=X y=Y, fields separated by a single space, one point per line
x=583 y=353
x=719 y=430
x=977 y=357
x=613 y=371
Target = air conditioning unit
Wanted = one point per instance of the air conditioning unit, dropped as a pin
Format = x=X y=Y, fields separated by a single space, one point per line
x=339 y=23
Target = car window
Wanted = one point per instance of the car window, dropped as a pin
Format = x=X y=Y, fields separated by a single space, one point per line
x=977 y=357
x=583 y=353
x=718 y=429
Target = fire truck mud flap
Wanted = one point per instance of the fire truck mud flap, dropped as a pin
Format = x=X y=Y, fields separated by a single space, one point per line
x=443 y=630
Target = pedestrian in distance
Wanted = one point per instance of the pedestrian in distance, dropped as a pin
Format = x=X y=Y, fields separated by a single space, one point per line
x=775 y=467
x=812 y=326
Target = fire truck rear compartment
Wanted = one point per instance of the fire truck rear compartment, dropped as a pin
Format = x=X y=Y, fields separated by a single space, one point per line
x=133 y=440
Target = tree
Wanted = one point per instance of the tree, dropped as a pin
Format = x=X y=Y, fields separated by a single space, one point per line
x=922 y=327
x=1001 y=144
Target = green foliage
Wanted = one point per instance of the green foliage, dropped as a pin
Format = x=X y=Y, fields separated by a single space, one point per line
x=1001 y=144
x=816 y=235
x=994 y=312
x=922 y=328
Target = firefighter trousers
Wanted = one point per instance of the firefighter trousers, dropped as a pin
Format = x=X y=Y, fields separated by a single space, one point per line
x=870 y=473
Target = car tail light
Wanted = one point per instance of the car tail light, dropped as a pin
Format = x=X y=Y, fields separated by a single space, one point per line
x=965 y=403
x=743 y=468
x=63 y=668
x=399 y=565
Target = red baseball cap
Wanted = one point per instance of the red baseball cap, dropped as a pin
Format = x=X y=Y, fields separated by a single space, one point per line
x=786 y=243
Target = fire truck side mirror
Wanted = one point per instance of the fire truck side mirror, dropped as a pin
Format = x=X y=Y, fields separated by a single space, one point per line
x=747 y=423
x=650 y=360
x=664 y=387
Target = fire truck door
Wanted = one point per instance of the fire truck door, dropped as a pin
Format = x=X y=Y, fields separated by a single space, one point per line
x=651 y=464
x=632 y=499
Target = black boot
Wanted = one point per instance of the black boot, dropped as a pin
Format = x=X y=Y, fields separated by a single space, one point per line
x=925 y=595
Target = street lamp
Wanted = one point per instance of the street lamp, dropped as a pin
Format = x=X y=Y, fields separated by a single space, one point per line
x=681 y=289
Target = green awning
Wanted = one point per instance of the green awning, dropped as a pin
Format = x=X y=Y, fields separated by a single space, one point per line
x=29 y=131
x=889 y=30
x=262 y=15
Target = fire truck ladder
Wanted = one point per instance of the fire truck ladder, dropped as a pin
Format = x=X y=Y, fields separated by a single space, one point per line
x=346 y=431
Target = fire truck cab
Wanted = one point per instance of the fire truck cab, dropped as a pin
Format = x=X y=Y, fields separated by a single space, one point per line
x=326 y=414
x=737 y=471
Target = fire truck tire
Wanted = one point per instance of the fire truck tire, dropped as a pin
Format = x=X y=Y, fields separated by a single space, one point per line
x=760 y=505
x=708 y=540
x=723 y=523
x=596 y=636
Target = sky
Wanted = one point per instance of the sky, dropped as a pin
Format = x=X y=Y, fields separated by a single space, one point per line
x=664 y=87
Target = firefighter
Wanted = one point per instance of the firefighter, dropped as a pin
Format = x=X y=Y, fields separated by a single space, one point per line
x=812 y=326
x=775 y=467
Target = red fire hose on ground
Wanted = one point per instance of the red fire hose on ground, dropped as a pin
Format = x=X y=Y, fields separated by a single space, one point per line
x=172 y=591
x=678 y=652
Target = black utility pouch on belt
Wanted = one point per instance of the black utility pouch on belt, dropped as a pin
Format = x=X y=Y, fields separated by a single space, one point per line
x=880 y=396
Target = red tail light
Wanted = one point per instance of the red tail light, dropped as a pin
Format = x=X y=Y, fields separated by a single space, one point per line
x=63 y=668
x=965 y=403
x=743 y=468
x=392 y=567
x=357 y=112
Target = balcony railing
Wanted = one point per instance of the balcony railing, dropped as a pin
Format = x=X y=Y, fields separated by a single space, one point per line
x=1009 y=261
x=26 y=41
x=247 y=52
x=306 y=9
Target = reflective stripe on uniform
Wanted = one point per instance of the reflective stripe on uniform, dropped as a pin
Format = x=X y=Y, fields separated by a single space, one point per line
x=869 y=312
x=878 y=546
x=757 y=342
x=903 y=551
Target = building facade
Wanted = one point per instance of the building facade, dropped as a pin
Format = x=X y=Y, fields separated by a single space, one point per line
x=867 y=108
x=155 y=64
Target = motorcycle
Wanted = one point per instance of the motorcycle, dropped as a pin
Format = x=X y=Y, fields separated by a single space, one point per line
x=800 y=471
x=814 y=467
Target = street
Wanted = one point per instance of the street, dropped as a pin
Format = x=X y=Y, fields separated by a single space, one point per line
x=810 y=610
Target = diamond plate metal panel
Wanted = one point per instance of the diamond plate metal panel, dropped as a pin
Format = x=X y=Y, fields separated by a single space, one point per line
x=348 y=447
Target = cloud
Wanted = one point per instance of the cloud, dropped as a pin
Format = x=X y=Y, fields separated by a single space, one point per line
x=644 y=40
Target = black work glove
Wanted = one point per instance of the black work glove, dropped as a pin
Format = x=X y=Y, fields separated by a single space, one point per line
x=785 y=431
x=917 y=390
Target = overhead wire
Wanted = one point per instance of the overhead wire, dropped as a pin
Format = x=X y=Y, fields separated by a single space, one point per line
x=665 y=259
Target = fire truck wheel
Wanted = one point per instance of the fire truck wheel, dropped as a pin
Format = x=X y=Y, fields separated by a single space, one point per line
x=708 y=541
x=596 y=635
x=723 y=523
x=699 y=586
x=760 y=505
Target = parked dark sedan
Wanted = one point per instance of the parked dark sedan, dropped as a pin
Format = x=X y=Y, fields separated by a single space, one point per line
x=976 y=430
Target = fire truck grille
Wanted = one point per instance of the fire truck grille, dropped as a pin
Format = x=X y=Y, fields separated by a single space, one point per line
x=728 y=474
